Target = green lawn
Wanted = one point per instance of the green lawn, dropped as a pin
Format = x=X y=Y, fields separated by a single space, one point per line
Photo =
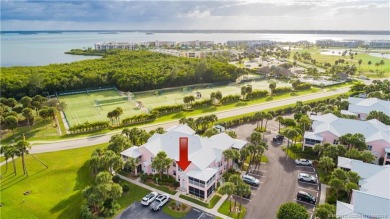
x=162 y=188
x=214 y=200
x=176 y=214
x=56 y=191
x=224 y=209
x=2 y=159
x=364 y=67
x=295 y=155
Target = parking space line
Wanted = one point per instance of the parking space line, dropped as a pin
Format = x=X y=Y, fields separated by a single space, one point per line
x=209 y=215
x=304 y=202
x=303 y=166
x=242 y=198
x=307 y=172
x=201 y=215
x=196 y=210
x=314 y=184
x=309 y=189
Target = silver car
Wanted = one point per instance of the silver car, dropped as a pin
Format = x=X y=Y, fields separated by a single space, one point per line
x=149 y=198
x=160 y=201
x=304 y=177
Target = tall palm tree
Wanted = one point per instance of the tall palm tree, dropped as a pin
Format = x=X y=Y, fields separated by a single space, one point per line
x=279 y=119
x=272 y=87
x=5 y=150
x=236 y=180
x=230 y=154
x=228 y=188
x=243 y=190
x=267 y=117
x=22 y=148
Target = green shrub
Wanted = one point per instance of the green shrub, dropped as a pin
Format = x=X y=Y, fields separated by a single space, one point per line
x=116 y=179
x=125 y=188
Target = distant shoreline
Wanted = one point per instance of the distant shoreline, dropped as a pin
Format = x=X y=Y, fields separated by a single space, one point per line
x=352 y=32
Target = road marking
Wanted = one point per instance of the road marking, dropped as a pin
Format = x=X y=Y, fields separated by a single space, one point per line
x=304 y=166
x=196 y=210
x=308 y=183
x=256 y=175
x=201 y=215
x=304 y=202
x=308 y=189
x=242 y=198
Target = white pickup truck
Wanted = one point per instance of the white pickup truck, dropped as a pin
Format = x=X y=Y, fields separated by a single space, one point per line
x=160 y=201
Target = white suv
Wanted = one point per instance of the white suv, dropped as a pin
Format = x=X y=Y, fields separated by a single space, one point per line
x=250 y=180
x=304 y=162
x=149 y=198
x=304 y=177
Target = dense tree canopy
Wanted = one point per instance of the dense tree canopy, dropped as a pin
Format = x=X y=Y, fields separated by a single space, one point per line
x=128 y=70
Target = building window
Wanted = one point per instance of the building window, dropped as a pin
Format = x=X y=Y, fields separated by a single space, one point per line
x=210 y=190
x=388 y=156
x=180 y=170
x=335 y=141
x=369 y=147
x=196 y=182
x=153 y=170
x=312 y=141
x=151 y=159
x=174 y=172
x=174 y=164
x=196 y=192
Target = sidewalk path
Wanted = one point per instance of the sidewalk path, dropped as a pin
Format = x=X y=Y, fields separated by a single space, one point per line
x=48 y=146
x=213 y=211
x=323 y=193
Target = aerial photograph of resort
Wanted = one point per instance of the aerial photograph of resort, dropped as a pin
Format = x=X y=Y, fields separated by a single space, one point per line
x=193 y=109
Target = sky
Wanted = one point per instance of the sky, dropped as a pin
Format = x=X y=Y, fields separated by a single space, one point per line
x=199 y=15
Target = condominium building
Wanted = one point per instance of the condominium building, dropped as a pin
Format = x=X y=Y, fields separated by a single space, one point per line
x=328 y=128
x=196 y=43
x=115 y=45
x=379 y=44
x=372 y=200
x=339 y=43
x=363 y=106
x=250 y=43
x=206 y=155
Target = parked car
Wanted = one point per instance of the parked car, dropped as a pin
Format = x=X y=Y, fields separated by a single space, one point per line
x=149 y=198
x=278 y=138
x=250 y=180
x=160 y=201
x=304 y=177
x=306 y=197
x=304 y=162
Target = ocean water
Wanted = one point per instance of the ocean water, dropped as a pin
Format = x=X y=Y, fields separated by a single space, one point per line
x=48 y=48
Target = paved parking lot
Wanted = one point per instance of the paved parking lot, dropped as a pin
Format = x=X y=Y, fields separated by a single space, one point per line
x=138 y=211
x=311 y=188
x=278 y=178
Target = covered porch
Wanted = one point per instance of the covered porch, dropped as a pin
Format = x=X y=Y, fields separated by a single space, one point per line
x=310 y=139
x=202 y=183
x=132 y=158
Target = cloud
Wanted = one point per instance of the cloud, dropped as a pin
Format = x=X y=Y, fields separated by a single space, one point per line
x=170 y=14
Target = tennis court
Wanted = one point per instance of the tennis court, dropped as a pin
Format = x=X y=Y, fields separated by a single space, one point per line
x=94 y=106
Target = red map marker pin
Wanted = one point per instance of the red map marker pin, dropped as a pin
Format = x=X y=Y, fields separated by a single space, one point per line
x=183 y=153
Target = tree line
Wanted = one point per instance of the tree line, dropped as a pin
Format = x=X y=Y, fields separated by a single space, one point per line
x=127 y=70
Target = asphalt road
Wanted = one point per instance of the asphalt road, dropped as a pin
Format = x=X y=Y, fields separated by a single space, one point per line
x=138 y=211
x=278 y=178
x=42 y=146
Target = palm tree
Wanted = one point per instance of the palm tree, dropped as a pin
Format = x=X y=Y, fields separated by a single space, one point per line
x=22 y=148
x=236 y=180
x=272 y=87
x=243 y=190
x=267 y=117
x=228 y=188
x=230 y=154
x=12 y=152
x=218 y=96
x=336 y=185
x=243 y=92
x=279 y=119
x=326 y=163
x=5 y=150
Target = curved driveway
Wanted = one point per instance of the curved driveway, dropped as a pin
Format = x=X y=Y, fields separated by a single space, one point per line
x=48 y=146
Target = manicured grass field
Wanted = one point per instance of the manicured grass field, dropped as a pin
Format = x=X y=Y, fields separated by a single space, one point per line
x=56 y=191
x=364 y=67
x=224 y=209
x=172 y=98
x=82 y=108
